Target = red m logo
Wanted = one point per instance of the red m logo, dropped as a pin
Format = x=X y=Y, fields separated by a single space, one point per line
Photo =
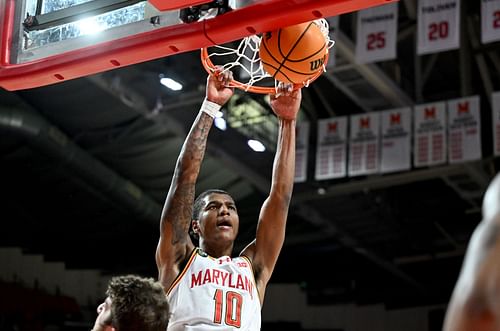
x=364 y=123
x=430 y=112
x=395 y=119
x=332 y=127
x=463 y=107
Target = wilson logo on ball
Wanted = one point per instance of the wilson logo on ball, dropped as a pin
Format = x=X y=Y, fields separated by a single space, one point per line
x=316 y=64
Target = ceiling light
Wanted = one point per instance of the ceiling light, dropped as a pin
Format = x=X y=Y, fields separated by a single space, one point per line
x=256 y=145
x=220 y=123
x=171 y=84
x=89 y=26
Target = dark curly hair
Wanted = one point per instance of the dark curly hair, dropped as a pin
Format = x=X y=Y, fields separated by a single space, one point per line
x=138 y=304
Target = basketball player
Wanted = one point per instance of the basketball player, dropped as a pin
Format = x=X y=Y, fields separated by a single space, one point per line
x=475 y=303
x=207 y=288
x=133 y=304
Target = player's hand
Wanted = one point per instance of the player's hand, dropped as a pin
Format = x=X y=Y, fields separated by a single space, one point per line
x=218 y=89
x=286 y=102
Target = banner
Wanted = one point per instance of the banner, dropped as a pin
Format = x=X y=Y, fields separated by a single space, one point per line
x=438 y=24
x=331 y=158
x=495 y=105
x=364 y=144
x=464 y=129
x=301 y=149
x=333 y=25
x=429 y=129
x=490 y=21
x=396 y=140
x=376 y=36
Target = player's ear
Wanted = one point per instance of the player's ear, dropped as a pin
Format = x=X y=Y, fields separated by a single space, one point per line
x=195 y=226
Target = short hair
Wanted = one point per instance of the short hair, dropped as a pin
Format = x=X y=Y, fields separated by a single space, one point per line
x=138 y=304
x=198 y=203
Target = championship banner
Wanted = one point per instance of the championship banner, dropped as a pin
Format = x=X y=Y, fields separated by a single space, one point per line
x=438 y=25
x=333 y=24
x=331 y=155
x=396 y=140
x=490 y=21
x=364 y=144
x=301 y=149
x=429 y=130
x=495 y=105
x=376 y=36
x=464 y=129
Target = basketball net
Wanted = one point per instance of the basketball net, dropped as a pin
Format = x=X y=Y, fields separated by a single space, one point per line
x=243 y=59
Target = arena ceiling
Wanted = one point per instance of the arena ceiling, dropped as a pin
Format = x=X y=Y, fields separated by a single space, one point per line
x=85 y=166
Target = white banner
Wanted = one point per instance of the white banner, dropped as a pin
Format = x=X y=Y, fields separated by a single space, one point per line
x=430 y=144
x=396 y=140
x=376 y=36
x=495 y=105
x=333 y=23
x=301 y=149
x=490 y=21
x=438 y=25
x=331 y=158
x=364 y=144
x=464 y=129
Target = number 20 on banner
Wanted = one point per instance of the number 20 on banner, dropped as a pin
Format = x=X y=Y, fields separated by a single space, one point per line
x=438 y=25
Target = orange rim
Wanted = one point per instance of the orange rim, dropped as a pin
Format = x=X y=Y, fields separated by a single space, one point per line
x=210 y=68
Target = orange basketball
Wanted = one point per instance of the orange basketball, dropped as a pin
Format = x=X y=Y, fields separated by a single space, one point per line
x=295 y=53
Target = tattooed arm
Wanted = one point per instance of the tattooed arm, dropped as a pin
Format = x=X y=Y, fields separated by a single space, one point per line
x=175 y=244
x=475 y=303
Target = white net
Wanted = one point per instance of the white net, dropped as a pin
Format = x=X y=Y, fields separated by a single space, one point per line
x=243 y=58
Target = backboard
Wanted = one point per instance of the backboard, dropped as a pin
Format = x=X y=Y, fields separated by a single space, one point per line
x=43 y=42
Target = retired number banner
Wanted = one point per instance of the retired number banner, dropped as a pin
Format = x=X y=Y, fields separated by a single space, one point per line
x=495 y=104
x=438 y=25
x=364 y=144
x=377 y=33
x=396 y=140
x=464 y=129
x=430 y=144
x=490 y=21
x=331 y=151
x=301 y=150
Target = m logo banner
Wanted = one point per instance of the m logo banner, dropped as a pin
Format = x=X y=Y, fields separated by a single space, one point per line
x=396 y=139
x=464 y=130
x=429 y=128
x=364 y=144
x=331 y=150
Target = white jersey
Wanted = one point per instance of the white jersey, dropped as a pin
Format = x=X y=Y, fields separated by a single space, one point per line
x=214 y=294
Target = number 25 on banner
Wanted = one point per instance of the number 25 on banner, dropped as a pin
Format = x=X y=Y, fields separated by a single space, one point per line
x=438 y=25
x=490 y=21
x=376 y=33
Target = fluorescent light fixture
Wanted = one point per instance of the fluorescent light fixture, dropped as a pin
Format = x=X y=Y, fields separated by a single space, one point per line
x=171 y=84
x=256 y=145
x=89 y=26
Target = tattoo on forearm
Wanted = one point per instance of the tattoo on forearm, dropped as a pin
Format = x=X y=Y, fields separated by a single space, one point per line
x=181 y=205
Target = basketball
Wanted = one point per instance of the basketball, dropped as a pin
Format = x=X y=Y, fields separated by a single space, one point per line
x=295 y=53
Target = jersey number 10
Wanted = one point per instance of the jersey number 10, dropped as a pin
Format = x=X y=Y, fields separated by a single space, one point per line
x=230 y=304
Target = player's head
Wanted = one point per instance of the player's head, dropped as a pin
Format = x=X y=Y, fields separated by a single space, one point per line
x=215 y=216
x=136 y=304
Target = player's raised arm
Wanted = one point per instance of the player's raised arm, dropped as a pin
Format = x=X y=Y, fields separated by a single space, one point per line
x=270 y=236
x=175 y=244
x=475 y=303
